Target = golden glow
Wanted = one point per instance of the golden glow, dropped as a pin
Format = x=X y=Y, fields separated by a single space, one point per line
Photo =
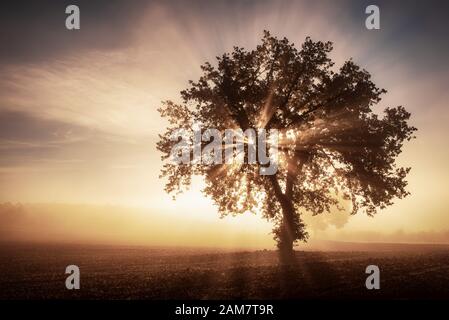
x=113 y=96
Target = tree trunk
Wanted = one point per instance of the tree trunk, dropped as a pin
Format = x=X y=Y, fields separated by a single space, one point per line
x=287 y=231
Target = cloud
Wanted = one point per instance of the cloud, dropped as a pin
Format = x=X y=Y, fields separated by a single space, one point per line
x=26 y=129
x=34 y=31
x=27 y=141
x=128 y=56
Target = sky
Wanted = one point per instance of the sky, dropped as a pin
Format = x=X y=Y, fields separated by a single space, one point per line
x=78 y=119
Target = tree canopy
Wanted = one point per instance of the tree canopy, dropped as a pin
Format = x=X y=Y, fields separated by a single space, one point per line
x=332 y=146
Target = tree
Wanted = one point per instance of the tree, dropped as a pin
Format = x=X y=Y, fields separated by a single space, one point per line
x=332 y=146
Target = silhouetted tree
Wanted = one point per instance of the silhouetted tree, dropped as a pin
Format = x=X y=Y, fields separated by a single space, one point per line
x=332 y=147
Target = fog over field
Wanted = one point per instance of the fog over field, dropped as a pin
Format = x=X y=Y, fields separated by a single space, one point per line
x=90 y=224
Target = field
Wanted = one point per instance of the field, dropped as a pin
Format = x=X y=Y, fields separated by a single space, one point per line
x=37 y=272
